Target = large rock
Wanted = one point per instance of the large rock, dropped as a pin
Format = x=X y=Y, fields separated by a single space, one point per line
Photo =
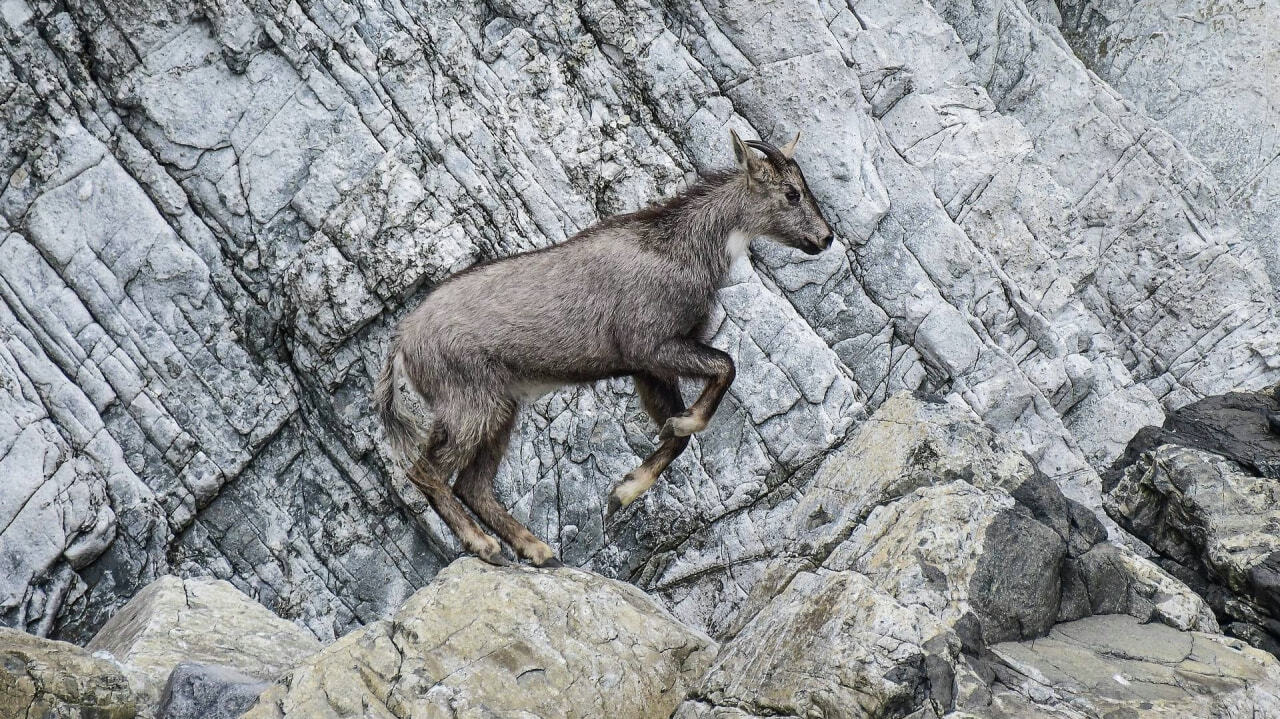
x=208 y=691
x=1114 y=666
x=924 y=542
x=176 y=620
x=43 y=678
x=1214 y=524
x=488 y=641
x=831 y=644
x=213 y=213
x=1243 y=427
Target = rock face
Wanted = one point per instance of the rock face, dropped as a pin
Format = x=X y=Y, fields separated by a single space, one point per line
x=486 y=641
x=1204 y=493
x=1206 y=73
x=175 y=620
x=44 y=678
x=212 y=214
x=1114 y=666
x=208 y=691
x=918 y=551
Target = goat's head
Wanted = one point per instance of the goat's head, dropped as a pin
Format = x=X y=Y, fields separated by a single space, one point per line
x=780 y=205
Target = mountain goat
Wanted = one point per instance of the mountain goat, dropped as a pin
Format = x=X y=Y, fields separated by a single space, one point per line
x=627 y=296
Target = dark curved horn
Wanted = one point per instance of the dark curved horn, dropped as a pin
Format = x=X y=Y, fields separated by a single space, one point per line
x=775 y=155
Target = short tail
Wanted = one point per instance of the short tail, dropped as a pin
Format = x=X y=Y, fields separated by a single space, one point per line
x=398 y=423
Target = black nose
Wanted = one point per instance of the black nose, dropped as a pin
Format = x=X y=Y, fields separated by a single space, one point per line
x=826 y=241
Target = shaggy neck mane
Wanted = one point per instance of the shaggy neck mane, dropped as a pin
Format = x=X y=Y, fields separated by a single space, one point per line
x=695 y=225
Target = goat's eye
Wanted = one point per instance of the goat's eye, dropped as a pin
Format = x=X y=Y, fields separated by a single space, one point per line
x=793 y=196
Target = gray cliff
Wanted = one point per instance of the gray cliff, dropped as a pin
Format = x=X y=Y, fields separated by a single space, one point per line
x=212 y=213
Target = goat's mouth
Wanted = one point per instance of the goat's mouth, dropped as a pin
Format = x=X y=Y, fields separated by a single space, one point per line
x=814 y=247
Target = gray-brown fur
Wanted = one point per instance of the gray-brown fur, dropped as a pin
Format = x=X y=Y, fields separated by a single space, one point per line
x=627 y=296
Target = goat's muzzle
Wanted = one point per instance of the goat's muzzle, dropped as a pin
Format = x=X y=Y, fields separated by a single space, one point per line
x=820 y=245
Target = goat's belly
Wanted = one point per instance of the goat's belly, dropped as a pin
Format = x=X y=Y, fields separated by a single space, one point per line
x=530 y=391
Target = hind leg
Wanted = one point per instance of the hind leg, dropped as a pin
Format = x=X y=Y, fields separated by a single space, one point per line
x=475 y=488
x=429 y=475
x=662 y=401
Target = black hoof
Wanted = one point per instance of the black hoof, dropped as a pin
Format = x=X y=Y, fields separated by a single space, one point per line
x=1273 y=420
x=497 y=560
x=551 y=563
x=614 y=505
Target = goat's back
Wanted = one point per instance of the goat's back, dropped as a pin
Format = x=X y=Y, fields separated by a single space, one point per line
x=571 y=312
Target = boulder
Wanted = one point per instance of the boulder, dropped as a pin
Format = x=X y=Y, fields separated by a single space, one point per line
x=1243 y=427
x=45 y=678
x=923 y=542
x=176 y=620
x=1116 y=666
x=833 y=643
x=937 y=509
x=503 y=641
x=208 y=691
x=1214 y=524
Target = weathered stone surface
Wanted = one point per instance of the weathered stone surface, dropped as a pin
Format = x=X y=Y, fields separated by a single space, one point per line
x=1213 y=524
x=835 y=643
x=176 y=620
x=1206 y=72
x=208 y=691
x=488 y=641
x=1242 y=427
x=926 y=540
x=1114 y=666
x=44 y=678
x=212 y=214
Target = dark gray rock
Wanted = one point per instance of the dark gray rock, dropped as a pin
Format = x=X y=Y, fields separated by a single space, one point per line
x=1241 y=426
x=208 y=691
x=1213 y=523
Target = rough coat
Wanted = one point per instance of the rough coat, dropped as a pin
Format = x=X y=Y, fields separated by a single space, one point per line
x=626 y=296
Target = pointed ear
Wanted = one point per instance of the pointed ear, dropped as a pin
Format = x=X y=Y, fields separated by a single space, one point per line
x=741 y=154
x=750 y=163
x=789 y=149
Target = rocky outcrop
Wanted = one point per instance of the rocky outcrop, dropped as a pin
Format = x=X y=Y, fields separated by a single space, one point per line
x=208 y=691
x=1112 y=666
x=1204 y=493
x=1241 y=427
x=926 y=569
x=488 y=641
x=919 y=548
x=213 y=213
x=175 y=620
x=44 y=678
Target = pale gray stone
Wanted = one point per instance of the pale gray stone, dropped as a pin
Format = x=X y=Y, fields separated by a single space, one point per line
x=174 y=620
x=212 y=214
x=491 y=641
x=1115 y=666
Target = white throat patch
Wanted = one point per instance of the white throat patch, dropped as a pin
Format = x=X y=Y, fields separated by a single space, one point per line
x=737 y=244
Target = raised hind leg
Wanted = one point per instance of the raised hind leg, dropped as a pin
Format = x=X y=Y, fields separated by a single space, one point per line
x=475 y=488
x=662 y=401
x=431 y=476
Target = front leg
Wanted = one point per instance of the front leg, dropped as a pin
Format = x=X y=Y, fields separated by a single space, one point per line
x=695 y=359
x=662 y=401
x=681 y=357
